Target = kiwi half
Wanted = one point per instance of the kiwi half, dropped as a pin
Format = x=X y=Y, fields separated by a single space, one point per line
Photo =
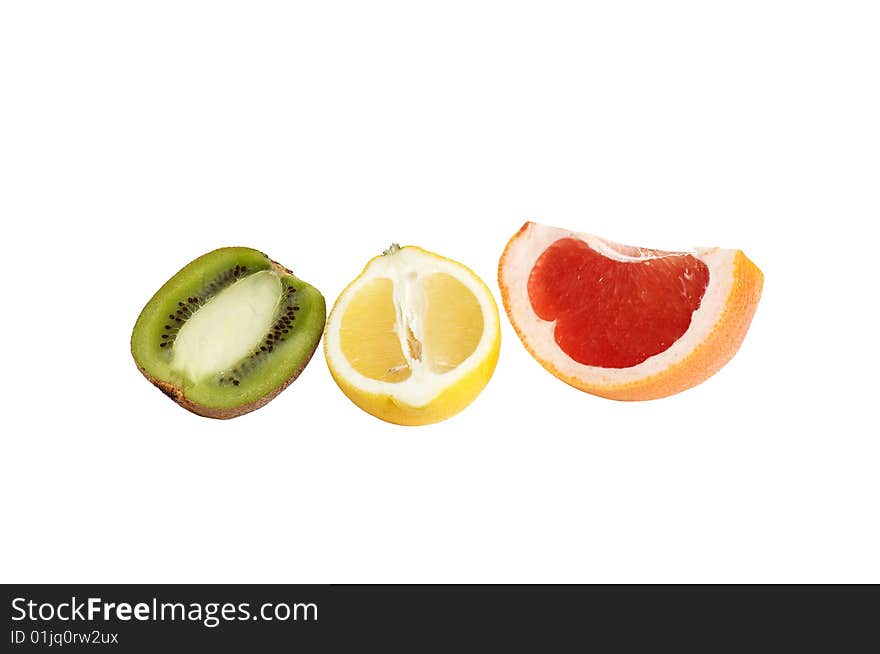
x=228 y=332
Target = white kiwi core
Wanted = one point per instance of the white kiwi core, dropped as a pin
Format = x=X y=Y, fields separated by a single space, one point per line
x=227 y=327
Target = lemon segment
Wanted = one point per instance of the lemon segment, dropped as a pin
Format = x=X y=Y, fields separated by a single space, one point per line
x=451 y=334
x=414 y=338
x=368 y=336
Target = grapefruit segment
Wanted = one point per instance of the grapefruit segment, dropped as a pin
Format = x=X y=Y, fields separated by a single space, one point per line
x=625 y=322
x=615 y=313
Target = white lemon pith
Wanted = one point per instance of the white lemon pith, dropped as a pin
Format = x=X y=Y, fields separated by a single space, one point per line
x=414 y=338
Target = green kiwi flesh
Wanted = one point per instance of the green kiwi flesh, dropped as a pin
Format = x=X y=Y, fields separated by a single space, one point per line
x=228 y=332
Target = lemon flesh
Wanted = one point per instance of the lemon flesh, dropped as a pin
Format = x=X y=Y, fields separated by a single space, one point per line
x=369 y=337
x=453 y=322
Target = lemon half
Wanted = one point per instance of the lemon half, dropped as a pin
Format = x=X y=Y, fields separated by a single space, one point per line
x=414 y=338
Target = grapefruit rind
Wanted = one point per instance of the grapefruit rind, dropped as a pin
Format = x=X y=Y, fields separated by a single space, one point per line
x=716 y=332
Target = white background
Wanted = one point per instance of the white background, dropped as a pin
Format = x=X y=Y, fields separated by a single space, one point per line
x=136 y=136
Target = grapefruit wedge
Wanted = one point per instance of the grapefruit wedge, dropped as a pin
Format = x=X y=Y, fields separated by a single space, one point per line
x=623 y=322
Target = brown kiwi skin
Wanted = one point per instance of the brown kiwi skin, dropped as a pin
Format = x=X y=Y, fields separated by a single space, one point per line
x=226 y=413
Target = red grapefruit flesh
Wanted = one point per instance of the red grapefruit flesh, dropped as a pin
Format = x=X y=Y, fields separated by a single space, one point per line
x=615 y=314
